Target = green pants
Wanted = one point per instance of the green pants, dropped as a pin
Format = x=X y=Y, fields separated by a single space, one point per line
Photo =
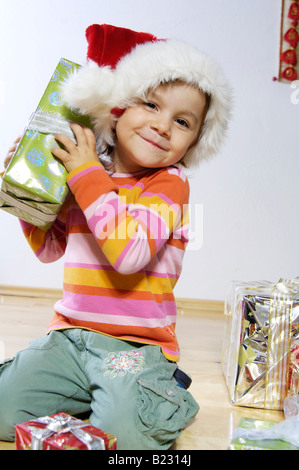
x=128 y=388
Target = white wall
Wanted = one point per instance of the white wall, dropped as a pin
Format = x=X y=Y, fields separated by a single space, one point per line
x=249 y=193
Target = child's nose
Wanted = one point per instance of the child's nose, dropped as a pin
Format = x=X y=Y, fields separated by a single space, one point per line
x=162 y=125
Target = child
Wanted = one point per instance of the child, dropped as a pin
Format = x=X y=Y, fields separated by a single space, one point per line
x=111 y=347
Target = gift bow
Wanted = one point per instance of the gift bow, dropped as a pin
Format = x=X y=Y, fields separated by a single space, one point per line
x=53 y=123
x=63 y=424
x=50 y=123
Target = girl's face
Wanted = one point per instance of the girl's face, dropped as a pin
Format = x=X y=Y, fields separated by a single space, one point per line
x=158 y=132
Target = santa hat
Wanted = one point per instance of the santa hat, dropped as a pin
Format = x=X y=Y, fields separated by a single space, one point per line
x=123 y=65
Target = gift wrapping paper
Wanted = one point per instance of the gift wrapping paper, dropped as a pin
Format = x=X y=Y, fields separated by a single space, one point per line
x=61 y=432
x=260 y=357
x=34 y=184
x=240 y=441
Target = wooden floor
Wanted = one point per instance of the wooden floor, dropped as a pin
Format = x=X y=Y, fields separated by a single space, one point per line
x=200 y=334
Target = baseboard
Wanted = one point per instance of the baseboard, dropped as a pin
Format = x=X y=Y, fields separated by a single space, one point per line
x=195 y=306
x=22 y=291
x=190 y=306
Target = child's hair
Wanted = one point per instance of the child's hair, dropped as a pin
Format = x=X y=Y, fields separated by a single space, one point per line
x=123 y=65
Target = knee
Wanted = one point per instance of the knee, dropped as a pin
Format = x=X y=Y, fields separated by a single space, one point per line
x=10 y=411
x=7 y=433
x=8 y=421
x=11 y=414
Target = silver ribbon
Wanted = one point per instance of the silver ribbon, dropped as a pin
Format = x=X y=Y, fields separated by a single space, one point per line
x=50 y=123
x=63 y=424
x=53 y=123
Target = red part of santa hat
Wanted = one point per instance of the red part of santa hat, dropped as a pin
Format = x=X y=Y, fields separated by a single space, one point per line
x=107 y=44
x=124 y=64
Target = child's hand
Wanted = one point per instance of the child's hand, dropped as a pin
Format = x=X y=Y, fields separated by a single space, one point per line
x=11 y=151
x=74 y=155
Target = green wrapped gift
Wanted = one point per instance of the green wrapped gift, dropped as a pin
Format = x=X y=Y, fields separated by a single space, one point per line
x=256 y=434
x=34 y=184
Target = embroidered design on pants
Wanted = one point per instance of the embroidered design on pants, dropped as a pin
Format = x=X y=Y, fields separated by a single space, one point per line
x=118 y=364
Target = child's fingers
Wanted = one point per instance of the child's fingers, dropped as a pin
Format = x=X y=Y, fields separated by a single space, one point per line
x=14 y=145
x=69 y=145
x=60 y=154
x=91 y=140
x=79 y=134
x=7 y=160
x=84 y=135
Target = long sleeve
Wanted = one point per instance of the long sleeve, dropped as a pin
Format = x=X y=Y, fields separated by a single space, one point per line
x=126 y=239
x=48 y=246
x=131 y=232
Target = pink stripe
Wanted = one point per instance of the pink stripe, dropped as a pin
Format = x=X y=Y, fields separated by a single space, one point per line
x=171 y=352
x=124 y=253
x=181 y=233
x=135 y=255
x=103 y=199
x=112 y=319
x=56 y=327
x=161 y=196
x=83 y=248
x=145 y=309
x=24 y=224
x=102 y=212
x=161 y=275
x=82 y=173
x=155 y=224
x=39 y=251
x=128 y=186
x=177 y=172
x=127 y=175
x=101 y=267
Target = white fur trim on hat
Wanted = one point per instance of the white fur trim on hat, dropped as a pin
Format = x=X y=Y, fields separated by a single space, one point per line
x=96 y=90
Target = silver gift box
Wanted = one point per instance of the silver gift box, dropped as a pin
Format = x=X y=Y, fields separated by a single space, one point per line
x=260 y=357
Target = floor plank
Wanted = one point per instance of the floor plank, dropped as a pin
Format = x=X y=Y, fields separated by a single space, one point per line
x=200 y=335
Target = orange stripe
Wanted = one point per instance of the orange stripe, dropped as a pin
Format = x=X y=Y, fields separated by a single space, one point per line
x=121 y=293
x=36 y=239
x=79 y=229
x=178 y=243
x=82 y=167
x=160 y=336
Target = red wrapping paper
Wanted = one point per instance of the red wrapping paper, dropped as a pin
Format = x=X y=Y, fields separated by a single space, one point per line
x=61 y=432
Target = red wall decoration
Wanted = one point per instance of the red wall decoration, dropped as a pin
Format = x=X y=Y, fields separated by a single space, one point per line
x=289 y=39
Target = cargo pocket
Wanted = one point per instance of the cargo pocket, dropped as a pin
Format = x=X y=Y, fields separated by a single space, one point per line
x=163 y=408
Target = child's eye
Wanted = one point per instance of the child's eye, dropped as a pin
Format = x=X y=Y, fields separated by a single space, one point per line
x=182 y=122
x=150 y=104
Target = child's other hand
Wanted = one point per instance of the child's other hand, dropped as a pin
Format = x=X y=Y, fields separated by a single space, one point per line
x=74 y=155
x=11 y=151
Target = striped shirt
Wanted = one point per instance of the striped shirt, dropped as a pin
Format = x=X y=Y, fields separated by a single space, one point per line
x=123 y=237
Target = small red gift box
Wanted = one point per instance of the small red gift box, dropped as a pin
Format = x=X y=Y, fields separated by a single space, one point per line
x=61 y=432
